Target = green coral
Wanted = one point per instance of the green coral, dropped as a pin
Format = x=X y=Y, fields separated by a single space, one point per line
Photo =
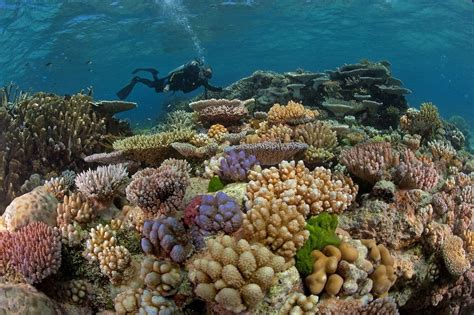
x=215 y=184
x=130 y=239
x=322 y=232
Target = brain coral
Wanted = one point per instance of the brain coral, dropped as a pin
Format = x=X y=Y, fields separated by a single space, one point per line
x=234 y=274
x=37 y=205
x=33 y=252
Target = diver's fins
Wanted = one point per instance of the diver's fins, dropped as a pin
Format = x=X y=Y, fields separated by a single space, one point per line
x=123 y=93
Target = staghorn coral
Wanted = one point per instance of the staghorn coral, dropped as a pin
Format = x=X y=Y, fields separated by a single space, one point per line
x=166 y=237
x=270 y=153
x=413 y=173
x=161 y=276
x=424 y=122
x=37 y=205
x=310 y=191
x=454 y=256
x=160 y=190
x=32 y=253
x=102 y=184
x=234 y=274
x=177 y=120
x=235 y=166
x=320 y=139
x=292 y=113
x=222 y=111
x=276 y=224
x=370 y=161
x=152 y=149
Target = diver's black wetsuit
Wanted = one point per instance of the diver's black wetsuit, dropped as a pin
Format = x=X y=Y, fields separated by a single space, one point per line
x=185 y=78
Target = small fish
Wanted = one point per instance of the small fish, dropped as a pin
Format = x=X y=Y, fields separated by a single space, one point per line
x=90 y=70
x=89 y=62
x=49 y=64
x=27 y=64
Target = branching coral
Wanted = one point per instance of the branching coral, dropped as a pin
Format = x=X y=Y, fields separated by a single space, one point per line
x=60 y=186
x=235 y=166
x=424 y=122
x=299 y=303
x=293 y=113
x=166 y=237
x=370 y=161
x=275 y=224
x=33 y=252
x=234 y=274
x=217 y=132
x=222 y=111
x=113 y=260
x=72 y=212
x=265 y=133
x=46 y=133
x=270 y=153
x=442 y=151
x=412 y=173
x=160 y=190
x=320 y=139
x=161 y=276
x=218 y=213
x=102 y=184
x=310 y=191
x=177 y=120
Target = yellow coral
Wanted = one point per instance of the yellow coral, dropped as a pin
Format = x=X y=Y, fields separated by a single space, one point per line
x=424 y=122
x=217 y=132
x=293 y=113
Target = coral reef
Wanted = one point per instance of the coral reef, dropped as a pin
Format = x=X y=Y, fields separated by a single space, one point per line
x=235 y=166
x=292 y=114
x=270 y=153
x=222 y=111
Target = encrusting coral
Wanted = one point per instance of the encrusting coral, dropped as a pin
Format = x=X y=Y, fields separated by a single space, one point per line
x=234 y=274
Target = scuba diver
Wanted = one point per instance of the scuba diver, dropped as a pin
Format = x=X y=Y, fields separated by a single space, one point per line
x=185 y=78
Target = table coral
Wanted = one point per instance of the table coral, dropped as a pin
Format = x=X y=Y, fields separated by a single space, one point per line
x=222 y=111
x=270 y=153
x=33 y=252
x=234 y=274
x=166 y=237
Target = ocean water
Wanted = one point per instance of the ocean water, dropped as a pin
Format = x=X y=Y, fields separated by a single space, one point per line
x=65 y=46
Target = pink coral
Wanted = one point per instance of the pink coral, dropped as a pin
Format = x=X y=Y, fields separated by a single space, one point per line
x=160 y=190
x=33 y=252
x=370 y=161
x=413 y=173
x=226 y=112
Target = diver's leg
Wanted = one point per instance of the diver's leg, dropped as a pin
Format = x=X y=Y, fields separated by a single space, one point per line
x=126 y=90
x=153 y=72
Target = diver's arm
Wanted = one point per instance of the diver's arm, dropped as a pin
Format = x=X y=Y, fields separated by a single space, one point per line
x=211 y=87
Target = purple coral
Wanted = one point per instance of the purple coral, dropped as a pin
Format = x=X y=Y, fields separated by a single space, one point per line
x=166 y=237
x=219 y=213
x=413 y=173
x=34 y=252
x=235 y=165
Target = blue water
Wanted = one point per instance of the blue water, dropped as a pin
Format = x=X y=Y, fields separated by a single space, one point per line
x=98 y=43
